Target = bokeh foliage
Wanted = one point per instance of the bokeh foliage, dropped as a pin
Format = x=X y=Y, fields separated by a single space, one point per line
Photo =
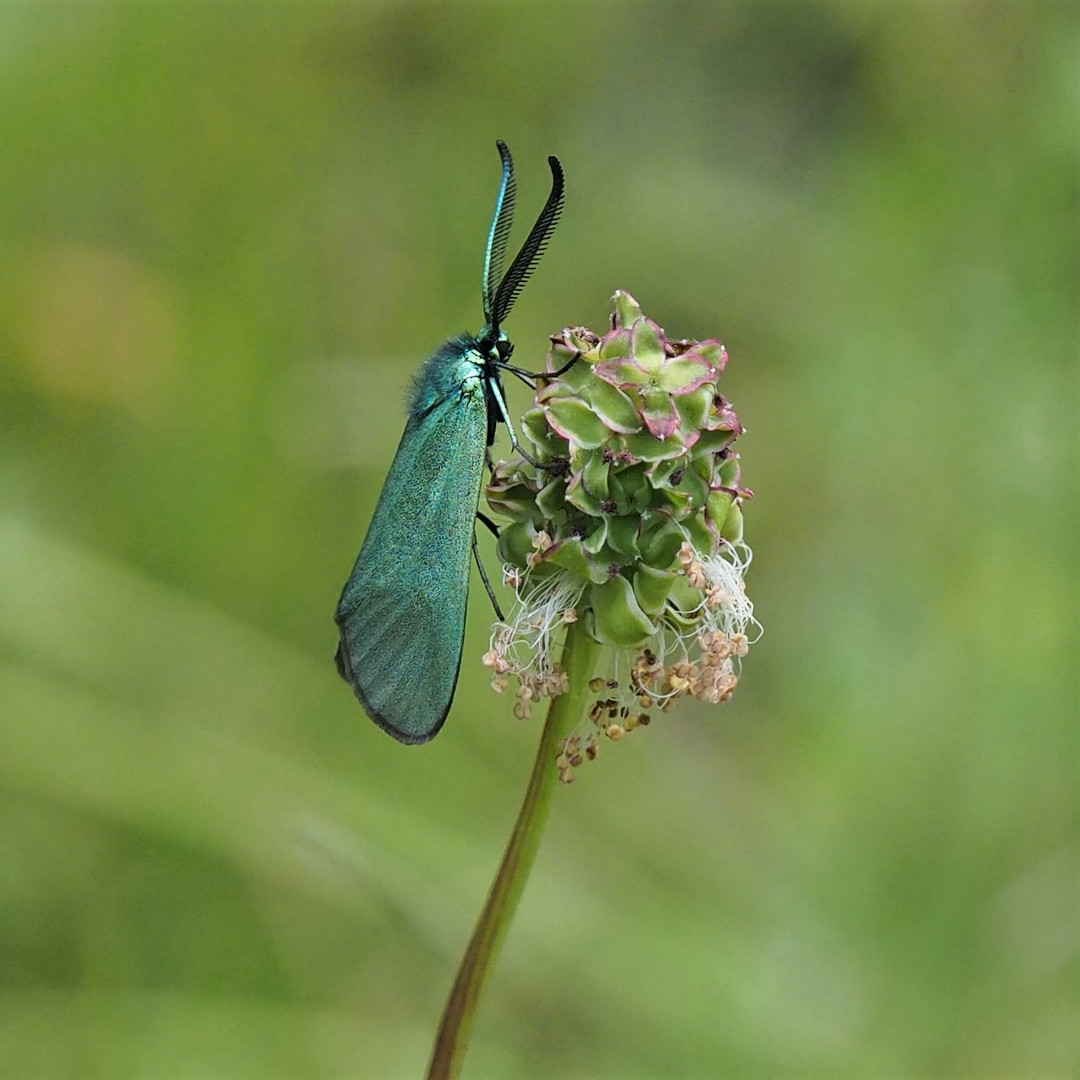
x=229 y=233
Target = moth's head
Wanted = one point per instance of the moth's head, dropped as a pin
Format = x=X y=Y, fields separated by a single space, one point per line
x=495 y=345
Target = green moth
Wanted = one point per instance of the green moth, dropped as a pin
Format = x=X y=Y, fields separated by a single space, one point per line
x=401 y=615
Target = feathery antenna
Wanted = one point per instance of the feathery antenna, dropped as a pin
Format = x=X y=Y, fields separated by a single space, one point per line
x=495 y=256
x=526 y=259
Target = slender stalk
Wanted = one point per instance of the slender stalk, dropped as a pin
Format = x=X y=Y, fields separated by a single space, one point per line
x=578 y=661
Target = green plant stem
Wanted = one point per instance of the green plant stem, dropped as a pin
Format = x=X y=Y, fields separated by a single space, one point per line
x=578 y=661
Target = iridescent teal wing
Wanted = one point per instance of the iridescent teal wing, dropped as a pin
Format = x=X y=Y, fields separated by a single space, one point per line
x=401 y=615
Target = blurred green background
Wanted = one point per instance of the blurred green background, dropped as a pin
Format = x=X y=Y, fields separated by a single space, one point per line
x=228 y=235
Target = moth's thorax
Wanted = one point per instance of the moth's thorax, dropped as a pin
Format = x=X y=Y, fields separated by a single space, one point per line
x=454 y=370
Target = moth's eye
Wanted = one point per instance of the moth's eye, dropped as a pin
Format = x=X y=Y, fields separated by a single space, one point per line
x=505 y=349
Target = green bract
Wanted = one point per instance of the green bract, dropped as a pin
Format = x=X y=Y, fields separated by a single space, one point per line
x=634 y=444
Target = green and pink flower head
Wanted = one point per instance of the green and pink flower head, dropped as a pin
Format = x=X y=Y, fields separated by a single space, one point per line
x=637 y=530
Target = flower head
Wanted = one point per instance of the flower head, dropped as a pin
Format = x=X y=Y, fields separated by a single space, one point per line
x=631 y=521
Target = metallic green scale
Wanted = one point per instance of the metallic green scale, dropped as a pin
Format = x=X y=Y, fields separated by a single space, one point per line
x=401 y=616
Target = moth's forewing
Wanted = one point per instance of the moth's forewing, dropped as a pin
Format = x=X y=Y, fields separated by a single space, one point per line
x=401 y=615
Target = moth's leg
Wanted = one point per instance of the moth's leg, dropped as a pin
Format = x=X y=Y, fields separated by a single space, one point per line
x=483 y=572
x=504 y=416
x=522 y=374
x=492 y=527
